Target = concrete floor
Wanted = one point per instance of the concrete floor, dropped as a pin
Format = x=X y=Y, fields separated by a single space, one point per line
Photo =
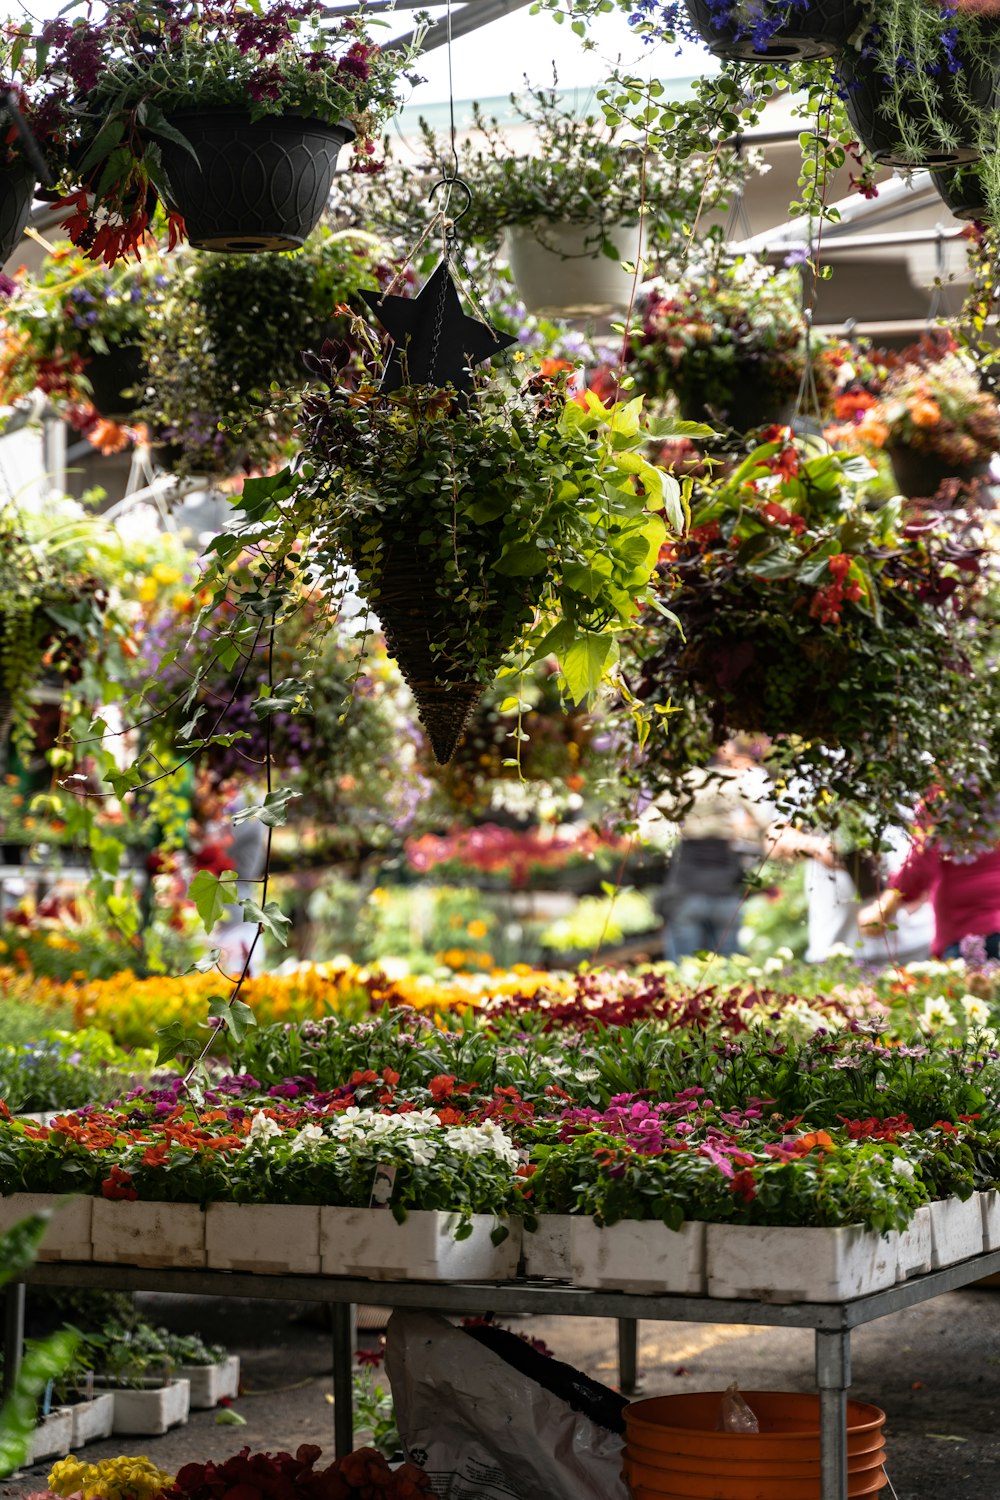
x=934 y=1369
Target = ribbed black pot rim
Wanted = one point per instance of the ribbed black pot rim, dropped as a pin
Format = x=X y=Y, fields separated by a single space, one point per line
x=258 y=185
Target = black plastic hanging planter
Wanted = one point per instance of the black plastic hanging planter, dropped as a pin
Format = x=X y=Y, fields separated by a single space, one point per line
x=960 y=108
x=121 y=368
x=17 y=188
x=819 y=28
x=961 y=189
x=257 y=185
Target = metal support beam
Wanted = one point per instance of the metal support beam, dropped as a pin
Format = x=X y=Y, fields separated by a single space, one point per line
x=471 y=17
x=13 y=1334
x=628 y=1355
x=833 y=1376
x=344 y=1332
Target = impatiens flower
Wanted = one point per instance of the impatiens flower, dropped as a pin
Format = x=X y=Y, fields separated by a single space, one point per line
x=937 y=1013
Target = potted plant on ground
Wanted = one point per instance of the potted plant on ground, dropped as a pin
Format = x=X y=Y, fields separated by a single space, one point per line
x=729 y=343
x=842 y=634
x=925 y=407
x=583 y=199
x=232 y=115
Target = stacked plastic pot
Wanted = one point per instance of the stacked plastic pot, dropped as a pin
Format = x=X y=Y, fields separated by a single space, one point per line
x=674 y=1450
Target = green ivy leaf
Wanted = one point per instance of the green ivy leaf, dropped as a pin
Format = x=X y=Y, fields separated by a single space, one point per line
x=270 y=917
x=173 y=1041
x=211 y=894
x=236 y=1014
x=583 y=664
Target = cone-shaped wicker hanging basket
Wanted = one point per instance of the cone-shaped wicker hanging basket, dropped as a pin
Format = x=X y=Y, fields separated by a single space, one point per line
x=417 y=617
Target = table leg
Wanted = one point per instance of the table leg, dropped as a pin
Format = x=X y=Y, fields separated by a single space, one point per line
x=13 y=1333
x=343 y=1378
x=628 y=1355
x=833 y=1376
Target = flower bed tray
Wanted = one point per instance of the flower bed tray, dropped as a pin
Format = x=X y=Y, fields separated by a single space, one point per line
x=68 y=1234
x=956 y=1230
x=53 y=1437
x=152 y=1411
x=547 y=1249
x=639 y=1256
x=775 y=1263
x=368 y=1242
x=275 y=1239
x=148 y=1234
x=210 y=1383
x=93 y=1419
x=913 y=1246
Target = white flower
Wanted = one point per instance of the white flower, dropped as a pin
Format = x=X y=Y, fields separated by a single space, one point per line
x=902 y=1167
x=936 y=1014
x=840 y=950
x=309 y=1135
x=785 y=954
x=263 y=1128
x=977 y=1012
x=773 y=965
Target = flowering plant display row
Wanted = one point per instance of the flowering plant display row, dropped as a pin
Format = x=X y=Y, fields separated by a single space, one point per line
x=256 y=1476
x=636 y=1121
x=317 y=1005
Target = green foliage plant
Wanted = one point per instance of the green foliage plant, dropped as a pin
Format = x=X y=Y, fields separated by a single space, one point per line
x=43 y=1361
x=138 y=66
x=847 y=636
x=579 y=170
x=223 y=345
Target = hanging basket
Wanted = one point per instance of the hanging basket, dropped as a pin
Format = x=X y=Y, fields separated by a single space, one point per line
x=17 y=189
x=818 y=28
x=920 y=476
x=121 y=369
x=866 y=89
x=749 y=404
x=415 y=617
x=257 y=185
x=750 y=691
x=563 y=274
x=961 y=189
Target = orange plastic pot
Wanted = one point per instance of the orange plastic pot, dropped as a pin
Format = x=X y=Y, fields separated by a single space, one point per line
x=759 y=1489
x=789 y=1427
x=689 y=1463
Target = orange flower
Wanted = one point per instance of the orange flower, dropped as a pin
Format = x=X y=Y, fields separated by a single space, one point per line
x=107 y=437
x=925 y=413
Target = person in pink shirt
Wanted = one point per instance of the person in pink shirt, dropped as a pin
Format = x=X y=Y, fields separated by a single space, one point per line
x=964 y=892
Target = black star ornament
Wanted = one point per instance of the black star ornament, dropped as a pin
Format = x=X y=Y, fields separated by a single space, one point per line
x=433 y=341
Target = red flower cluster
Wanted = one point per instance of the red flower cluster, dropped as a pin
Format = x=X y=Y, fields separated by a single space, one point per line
x=828 y=601
x=363 y=1475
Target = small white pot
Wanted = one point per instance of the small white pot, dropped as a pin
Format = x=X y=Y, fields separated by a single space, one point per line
x=210 y=1383
x=913 y=1246
x=148 y=1234
x=989 y=1203
x=639 y=1256
x=53 y=1437
x=779 y=1263
x=956 y=1230
x=272 y=1238
x=564 y=272
x=546 y=1249
x=151 y=1412
x=93 y=1419
x=68 y=1234
x=368 y=1242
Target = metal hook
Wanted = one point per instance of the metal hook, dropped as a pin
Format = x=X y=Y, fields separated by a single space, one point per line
x=450 y=182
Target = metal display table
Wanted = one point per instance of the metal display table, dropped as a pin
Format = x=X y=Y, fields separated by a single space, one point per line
x=832 y=1323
